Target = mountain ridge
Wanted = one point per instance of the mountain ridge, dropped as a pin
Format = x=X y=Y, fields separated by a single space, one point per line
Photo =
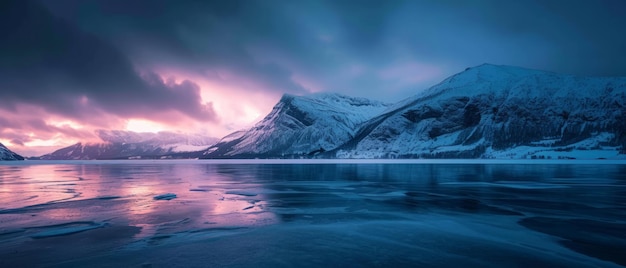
x=8 y=155
x=121 y=144
x=299 y=125
x=487 y=111
x=484 y=98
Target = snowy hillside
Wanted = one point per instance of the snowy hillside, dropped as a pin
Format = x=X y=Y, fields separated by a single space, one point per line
x=300 y=126
x=486 y=111
x=6 y=154
x=119 y=144
x=500 y=112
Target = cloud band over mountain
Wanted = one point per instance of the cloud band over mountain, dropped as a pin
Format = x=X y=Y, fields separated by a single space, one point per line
x=68 y=67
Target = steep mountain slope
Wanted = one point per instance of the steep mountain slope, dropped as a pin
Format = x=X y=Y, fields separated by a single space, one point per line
x=118 y=144
x=6 y=154
x=499 y=111
x=299 y=126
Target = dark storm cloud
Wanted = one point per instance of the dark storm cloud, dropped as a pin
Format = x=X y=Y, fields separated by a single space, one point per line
x=582 y=37
x=205 y=36
x=358 y=47
x=49 y=62
x=344 y=45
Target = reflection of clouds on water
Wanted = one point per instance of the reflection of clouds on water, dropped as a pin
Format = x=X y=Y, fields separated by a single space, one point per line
x=214 y=200
x=123 y=194
x=37 y=184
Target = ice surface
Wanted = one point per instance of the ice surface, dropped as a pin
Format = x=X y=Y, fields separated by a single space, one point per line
x=514 y=185
x=559 y=213
x=67 y=229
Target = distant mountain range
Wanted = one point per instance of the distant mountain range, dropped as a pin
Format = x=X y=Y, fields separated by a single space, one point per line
x=6 y=154
x=486 y=111
x=118 y=144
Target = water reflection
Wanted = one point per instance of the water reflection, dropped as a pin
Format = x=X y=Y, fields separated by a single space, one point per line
x=28 y=185
x=213 y=196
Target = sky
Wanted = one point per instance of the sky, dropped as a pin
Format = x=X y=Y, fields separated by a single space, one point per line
x=70 y=67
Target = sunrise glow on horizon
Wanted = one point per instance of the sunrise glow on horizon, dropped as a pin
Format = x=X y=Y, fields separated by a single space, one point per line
x=216 y=67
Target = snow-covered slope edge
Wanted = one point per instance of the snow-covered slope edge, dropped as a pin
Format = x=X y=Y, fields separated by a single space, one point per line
x=299 y=126
x=119 y=144
x=500 y=112
x=8 y=155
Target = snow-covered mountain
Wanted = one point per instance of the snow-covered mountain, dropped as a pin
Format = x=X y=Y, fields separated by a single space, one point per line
x=119 y=144
x=494 y=111
x=6 y=154
x=486 y=111
x=300 y=126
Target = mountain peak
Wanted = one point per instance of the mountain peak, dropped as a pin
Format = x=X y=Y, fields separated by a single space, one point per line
x=487 y=65
x=486 y=77
x=316 y=95
x=333 y=99
x=496 y=72
x=6 y=154
x=300 y=125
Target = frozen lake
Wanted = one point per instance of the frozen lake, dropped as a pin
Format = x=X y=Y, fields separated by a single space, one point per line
x=195 y=213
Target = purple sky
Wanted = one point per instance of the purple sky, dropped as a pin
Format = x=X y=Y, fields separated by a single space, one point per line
x=69 y=67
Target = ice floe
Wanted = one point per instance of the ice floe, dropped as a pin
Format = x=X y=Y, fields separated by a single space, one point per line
x=168 y=196
x=244 y=193
x=199 y=190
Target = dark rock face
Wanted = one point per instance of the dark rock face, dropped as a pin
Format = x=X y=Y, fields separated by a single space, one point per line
x=423 y=112
x=298 y=115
